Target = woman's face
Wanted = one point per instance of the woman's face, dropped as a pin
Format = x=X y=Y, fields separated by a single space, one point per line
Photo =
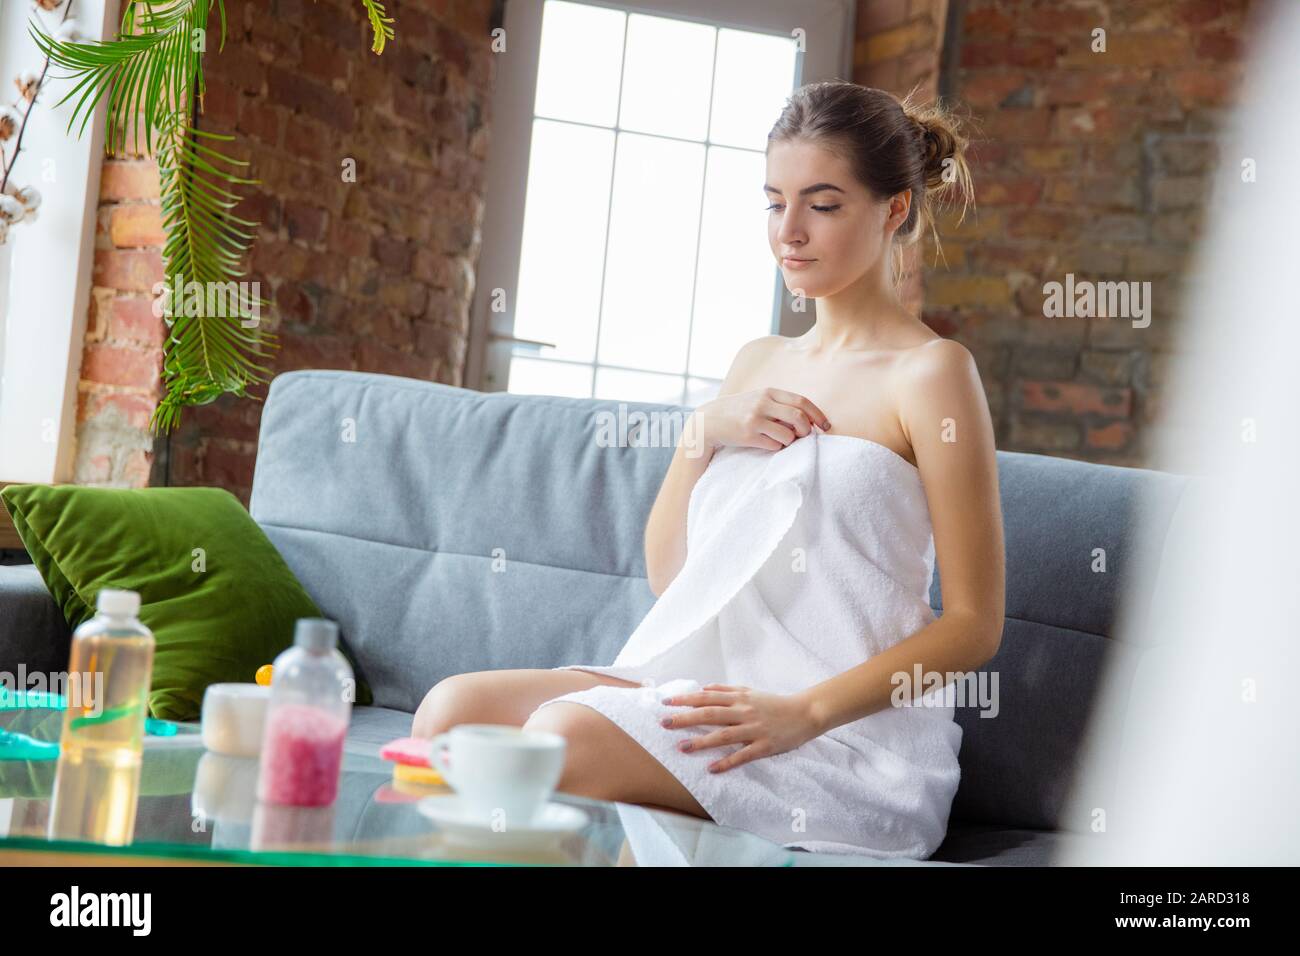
x=840 y=227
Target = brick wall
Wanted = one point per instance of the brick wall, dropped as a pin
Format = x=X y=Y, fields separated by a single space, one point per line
x=121 y=359
x=1096 y=164
x=898 y=46
x=1092 y=164
x=375 y=274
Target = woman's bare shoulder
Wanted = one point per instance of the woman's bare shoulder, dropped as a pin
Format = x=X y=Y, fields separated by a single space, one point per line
x=939 y=358
x=764 y=345
x=750 y=359
x=940 y=381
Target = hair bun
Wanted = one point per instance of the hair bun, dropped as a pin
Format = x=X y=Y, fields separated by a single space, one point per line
x=940 y=145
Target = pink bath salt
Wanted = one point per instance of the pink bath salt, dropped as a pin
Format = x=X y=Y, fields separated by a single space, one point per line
x=301 y=756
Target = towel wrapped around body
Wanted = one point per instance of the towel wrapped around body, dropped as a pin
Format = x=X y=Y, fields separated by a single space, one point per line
x=801 y=564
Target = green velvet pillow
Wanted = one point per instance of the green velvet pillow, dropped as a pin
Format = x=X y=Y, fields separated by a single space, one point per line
x=218 y=597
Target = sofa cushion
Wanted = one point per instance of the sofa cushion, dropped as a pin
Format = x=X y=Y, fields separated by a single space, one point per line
x=214 y=621
x=984 y=845
x=33 y=633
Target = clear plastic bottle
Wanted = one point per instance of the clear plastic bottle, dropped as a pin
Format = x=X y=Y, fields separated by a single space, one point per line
x=97 y=781
x=312 y=688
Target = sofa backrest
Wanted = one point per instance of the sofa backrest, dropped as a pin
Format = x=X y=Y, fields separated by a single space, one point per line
x=449 y=530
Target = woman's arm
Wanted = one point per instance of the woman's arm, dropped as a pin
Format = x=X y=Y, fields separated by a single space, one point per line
x=665 y=530
x=944 y=412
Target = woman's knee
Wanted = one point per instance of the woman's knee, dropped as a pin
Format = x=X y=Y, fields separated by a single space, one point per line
x=585 y=773
x=447 y=703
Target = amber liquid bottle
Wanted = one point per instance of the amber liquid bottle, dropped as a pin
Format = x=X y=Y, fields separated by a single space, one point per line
x=97 y=782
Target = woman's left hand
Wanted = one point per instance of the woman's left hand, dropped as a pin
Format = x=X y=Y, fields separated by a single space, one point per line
x=767 y=724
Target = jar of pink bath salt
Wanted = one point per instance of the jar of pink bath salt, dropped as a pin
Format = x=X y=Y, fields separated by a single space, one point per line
x=306 y=720
x=303 y=751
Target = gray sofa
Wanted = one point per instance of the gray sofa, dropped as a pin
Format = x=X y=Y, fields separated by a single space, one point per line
x=449 y=530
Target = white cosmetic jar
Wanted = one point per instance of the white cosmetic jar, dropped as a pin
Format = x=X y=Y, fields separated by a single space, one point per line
x=232 y=718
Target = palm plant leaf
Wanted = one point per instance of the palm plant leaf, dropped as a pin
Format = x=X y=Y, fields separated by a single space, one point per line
x=379 y=24
x=149 y=74
x=143 y=74
x=216 y=342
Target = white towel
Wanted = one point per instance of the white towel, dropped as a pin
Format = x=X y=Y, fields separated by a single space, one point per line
x=801 y=564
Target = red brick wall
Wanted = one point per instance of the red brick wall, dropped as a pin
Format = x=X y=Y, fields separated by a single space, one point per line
x=122 y=359
x=898 y=46
x=375 y=274
x=1096 y=164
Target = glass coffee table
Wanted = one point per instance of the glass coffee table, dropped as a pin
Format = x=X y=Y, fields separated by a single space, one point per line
x=200 y=807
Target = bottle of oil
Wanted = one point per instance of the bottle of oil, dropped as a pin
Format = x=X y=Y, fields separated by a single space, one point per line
x=97 y=782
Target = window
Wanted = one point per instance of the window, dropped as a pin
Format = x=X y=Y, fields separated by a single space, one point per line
x=642 y=262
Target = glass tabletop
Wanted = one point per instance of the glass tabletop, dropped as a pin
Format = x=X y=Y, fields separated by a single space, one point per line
x=202 y=806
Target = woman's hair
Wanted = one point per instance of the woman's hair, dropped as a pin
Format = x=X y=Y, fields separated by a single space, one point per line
x=891 y=145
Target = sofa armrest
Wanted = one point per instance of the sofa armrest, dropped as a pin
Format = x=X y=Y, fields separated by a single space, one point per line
x=33 y=632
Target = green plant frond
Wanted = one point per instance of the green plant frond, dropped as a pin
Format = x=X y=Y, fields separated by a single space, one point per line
x=147 y=75
x=379 y=23
x=209 y=350
x=157 y=15
x=145 y=72
x=186 y=390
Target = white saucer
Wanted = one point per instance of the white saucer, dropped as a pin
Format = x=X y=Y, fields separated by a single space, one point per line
x=553 y=821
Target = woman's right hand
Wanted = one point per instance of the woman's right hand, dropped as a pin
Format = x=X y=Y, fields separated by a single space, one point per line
x=768 y=418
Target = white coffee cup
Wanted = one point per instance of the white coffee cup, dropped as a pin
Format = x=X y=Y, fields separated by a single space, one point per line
x=502 y=774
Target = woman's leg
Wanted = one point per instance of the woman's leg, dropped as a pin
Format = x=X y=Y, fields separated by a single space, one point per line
x=603 y=762
x=497 y=697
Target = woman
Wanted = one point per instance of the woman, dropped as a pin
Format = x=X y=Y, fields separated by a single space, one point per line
x=776 y=654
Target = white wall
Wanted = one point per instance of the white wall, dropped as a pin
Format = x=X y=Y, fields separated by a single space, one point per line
x=48 y=294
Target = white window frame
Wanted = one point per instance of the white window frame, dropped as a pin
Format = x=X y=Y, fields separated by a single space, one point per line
x=48 y=299
x=828 y=54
